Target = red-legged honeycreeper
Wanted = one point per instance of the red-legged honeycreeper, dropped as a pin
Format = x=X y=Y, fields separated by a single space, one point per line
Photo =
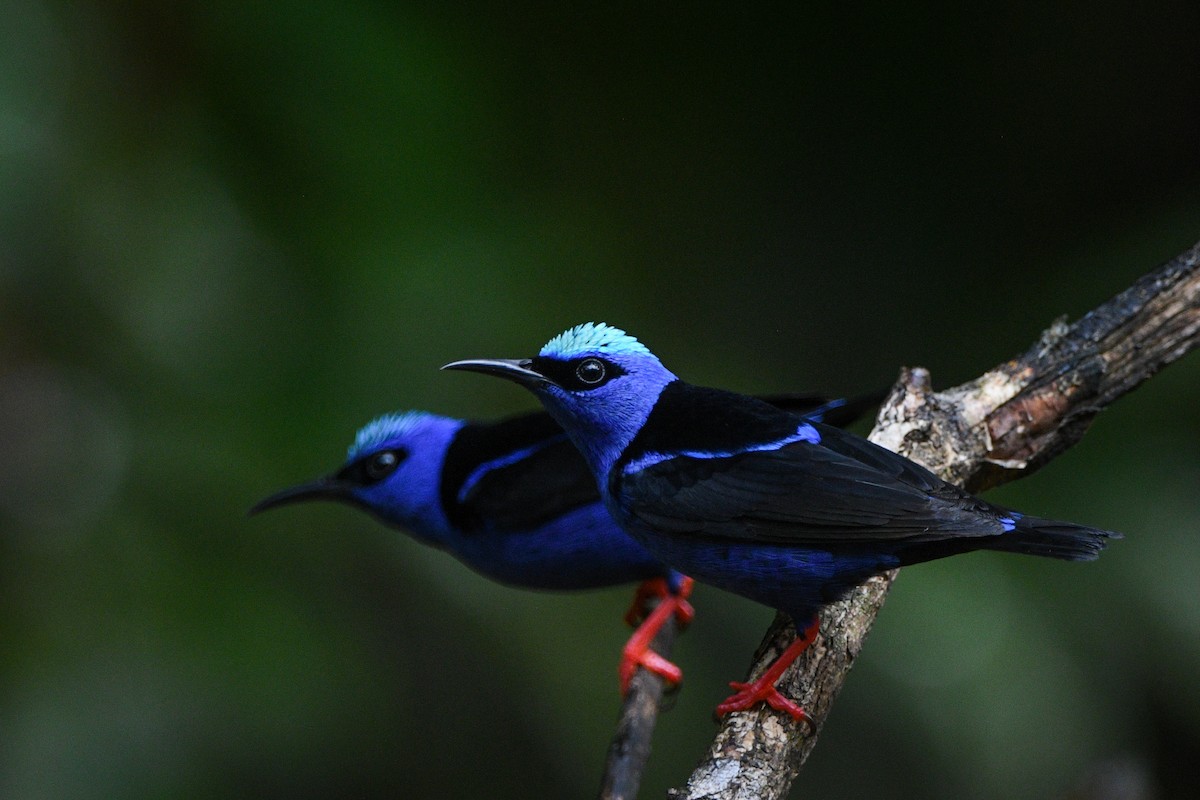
x=516 y=502
x=738 y=494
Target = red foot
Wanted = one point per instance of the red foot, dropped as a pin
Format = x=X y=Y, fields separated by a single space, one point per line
x=637 y=652
x=763 y=690
x=657 y=589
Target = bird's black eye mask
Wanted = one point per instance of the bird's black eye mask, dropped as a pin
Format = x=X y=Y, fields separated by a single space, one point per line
x=374 y=467
x=578 y=374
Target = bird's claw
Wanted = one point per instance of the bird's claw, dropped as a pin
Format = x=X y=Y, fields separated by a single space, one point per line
x=649 y=660
x=748 y=695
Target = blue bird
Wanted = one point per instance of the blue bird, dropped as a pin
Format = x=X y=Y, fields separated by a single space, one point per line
x=790 y=513
x=516 y=502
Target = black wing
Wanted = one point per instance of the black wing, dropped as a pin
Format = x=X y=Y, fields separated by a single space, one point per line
x=841 y=489
x=513 y=475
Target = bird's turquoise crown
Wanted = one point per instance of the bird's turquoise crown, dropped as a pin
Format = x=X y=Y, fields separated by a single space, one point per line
x=592 y=339
x=388 y=426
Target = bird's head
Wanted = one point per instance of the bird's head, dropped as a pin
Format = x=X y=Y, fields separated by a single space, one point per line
x=392 y=470
x=597 y=381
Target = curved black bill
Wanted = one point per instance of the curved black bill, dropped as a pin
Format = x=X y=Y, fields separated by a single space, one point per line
x=513 y=369
x=320 y=489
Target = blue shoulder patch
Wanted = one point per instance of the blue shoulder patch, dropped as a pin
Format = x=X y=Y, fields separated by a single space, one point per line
x=804 y=433
x=480 y=472
x=388 y=426
x=592 y=338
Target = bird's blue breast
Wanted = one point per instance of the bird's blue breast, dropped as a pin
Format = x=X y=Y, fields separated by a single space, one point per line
x=795 y=580
x=580 y=549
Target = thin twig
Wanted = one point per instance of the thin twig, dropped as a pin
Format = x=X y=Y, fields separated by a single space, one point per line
x=630 y=746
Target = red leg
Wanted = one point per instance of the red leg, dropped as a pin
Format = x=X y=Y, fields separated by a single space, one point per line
x=637 y=652
x=657 y=588
x=763 y=690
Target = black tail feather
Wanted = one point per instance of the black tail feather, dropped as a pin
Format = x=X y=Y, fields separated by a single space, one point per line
x=1048 y=537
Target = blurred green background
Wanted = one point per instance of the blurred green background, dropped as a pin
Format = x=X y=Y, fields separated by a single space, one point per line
x=231 y=233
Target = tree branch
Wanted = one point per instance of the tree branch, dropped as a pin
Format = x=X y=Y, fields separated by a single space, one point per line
x=1005 y=424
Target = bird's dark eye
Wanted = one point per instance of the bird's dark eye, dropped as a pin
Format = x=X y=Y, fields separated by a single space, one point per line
x=380 y=465
x=590 y=371
x=580 y=374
